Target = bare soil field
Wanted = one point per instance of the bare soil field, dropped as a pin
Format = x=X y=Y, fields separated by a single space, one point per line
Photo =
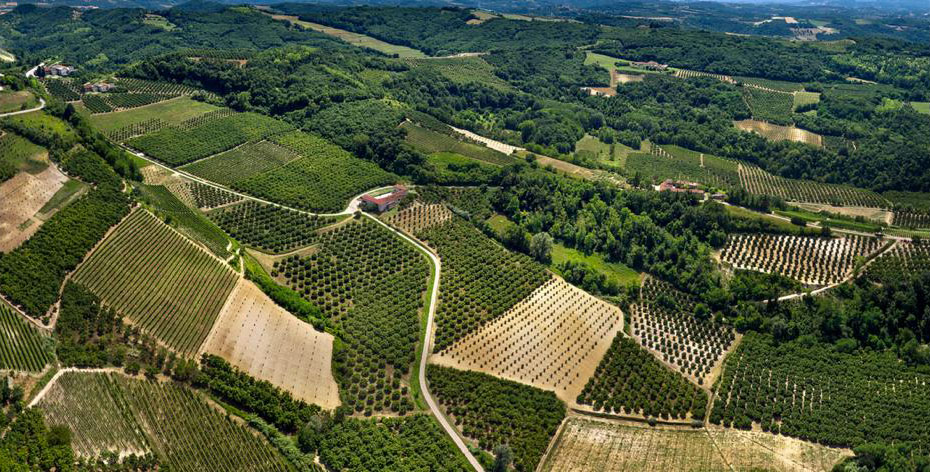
x=618 y=78
x=553 y=339
x=20 y=198
x=780 y=133
x=267 y=342
x=155 y=175
x=600 y=446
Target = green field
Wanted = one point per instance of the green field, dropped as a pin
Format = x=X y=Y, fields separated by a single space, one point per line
x=172 y=111
x=812 y=217
x=621 y=65
x=109 y=412
x=180 y=145
x=19 y=154
x=357 y=39
x=922 y=107
x=159 y=280
x=612 y=155
x=499 y=223
x=623 y=275
x=46 y=125
x=779 y=85
x=917 y=200
x=323 y=179
x=777 y=223
x=430 y=142
x=805 y=98
x=463 y=70
x=242 y=162
x=21 y=345
x=62 y=197
x=15 y=101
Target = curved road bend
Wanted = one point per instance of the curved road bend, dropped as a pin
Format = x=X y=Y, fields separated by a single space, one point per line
x=22 y=112
x=431 y=313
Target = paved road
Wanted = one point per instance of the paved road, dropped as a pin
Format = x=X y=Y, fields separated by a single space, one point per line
x=431 y=313
x=428 y=347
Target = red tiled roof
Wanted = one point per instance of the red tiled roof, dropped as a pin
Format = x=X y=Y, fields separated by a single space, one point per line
x=398 y=193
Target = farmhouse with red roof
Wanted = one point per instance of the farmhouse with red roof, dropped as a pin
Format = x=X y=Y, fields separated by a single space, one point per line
x=385 y=202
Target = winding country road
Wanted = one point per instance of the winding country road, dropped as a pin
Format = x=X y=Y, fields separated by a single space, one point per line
x=22 y=112
x=433 y=301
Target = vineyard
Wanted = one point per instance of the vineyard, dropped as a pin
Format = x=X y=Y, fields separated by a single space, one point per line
x=268 y=227
x=760 y=182
x=630 y=381
x=480 y=279
x=108 y=412
x=159 y=280
x=552 y=340
x=420 y=216
x=770 y=84
x=22 y=347
x=268 y=343
x=197 y=195
x=242 y=162
x=807 y=259
x=324 y=179
x=690 y=74
x=155 y=88
x=673 y=162
x=776 y=132
x=66 y=90
x=664 y=323
x=107 y=102
x=492 y=412
x=586 y=445
x=182 y=217
x=905 y=258
x=819 y=394
x=769 y=105
x=365 y=280
x=136 y=129
x=202 y=136
x=912 y=219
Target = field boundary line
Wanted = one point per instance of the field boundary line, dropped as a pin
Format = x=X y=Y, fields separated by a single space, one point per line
x=232 y=294
x=38 y=397
x=717 y=448
x=556 y=440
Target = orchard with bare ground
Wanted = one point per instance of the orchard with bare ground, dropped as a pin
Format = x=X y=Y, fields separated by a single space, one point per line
x=807 y=259
x=553 y=339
